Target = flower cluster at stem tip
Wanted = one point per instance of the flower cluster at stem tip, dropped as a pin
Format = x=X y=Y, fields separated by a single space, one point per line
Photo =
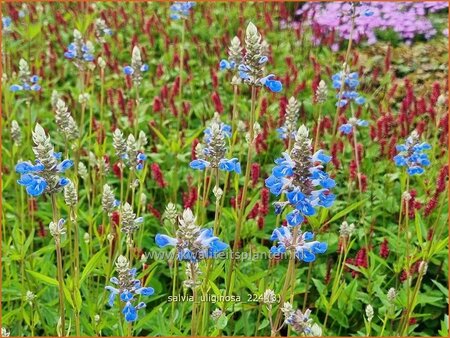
x=128 y=288
x=213 y=155
x=411 y=155
x=297 y=175
x=44 y=175
x=180 y=10
x=192 y=242
x=251 y=68
x=349 y=93
x=303 y=245
x=347 y=128
x=28 y=80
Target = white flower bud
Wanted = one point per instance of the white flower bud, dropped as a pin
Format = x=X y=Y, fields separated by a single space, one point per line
x=369 y=313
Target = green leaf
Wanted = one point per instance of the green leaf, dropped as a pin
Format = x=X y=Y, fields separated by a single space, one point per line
x=418 y=223
x=93 y=262
x=344 y=212
x=222 y=322
x=43 y=278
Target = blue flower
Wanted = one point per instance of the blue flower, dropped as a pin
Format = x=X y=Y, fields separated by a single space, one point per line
x=273 y=85
x=27 y=84
x=180 y=10
x=298 y=176
x=349 y=93
x=368 y=12
x=27 y=167
x=164 y=240
x=199 y=164
x=346 y=128
x=360 y=100
x=305 y=248
x=225 y=64
x=6 y=22
x=127 y=288
x=35 y=185
x=230 y=165
x=32 y=176
x=130 y=312
x=196 y=243
x=64 y=165
x=319 y=156
x=411 y=155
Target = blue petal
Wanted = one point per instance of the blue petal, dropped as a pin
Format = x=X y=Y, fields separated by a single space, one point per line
x=274 y=86
x=305 y=256
x=129 y=312
x=63 y=182
x=224 y=64
x=294 y=218
x=111 y=299
x=308 y=236
x=400 y=160
x=164 y=240
x=26 y=180
x=37 y=187
x=346 y=128
x=128 y=70
x=199 y=164
x=360 y=100
x=146 y=291
x=15 y=88
x=144 y=67
x=319 y=156
x=126 y=296
x=25 y=167
x=69 y=55
x=64 y=165
x=319 y=247
x=217 y=246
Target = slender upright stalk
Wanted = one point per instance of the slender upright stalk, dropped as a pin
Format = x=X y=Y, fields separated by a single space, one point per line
x=194 y=304
x=59 y=266
x=76 y=282
x=180 y=96
x=244 y=193
x=290 y=278
x=341 y=90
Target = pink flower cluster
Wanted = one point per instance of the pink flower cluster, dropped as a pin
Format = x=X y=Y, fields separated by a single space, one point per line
x=408 y=19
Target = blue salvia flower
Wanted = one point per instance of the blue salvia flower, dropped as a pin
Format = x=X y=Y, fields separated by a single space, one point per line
x=80 y=52
x=234 y=56
x=347 y=128
x=300 y=176
x=213 y=155
x=102 y=30
x=45 y=174
x=303 y=246
x=251 y=70
x=28 y=82
x=349 y=93
x=411 y=155
x=6 y=23
x=128 y=289
x=137 y=67
x=192 y=242
x=181 y=10
x=300 y=321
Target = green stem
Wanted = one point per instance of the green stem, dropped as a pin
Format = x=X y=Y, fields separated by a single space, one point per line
x=287 y=282
x=59 y=266
x=244 y=194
